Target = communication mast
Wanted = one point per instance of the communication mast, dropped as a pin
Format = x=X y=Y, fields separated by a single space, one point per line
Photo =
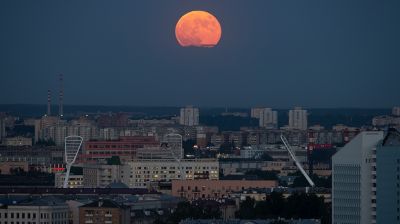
x=72 y=146
x=289 y=149
x=48 y=103
x=61 y=106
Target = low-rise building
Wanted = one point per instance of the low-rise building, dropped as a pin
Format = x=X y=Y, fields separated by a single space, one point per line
x=75 y=181
x=126 y=148
x=214 y=189
x=18 y=141
x=9 y=167
x=39 y=211
x=100 y=175
x=104 y=212
x=140 y=173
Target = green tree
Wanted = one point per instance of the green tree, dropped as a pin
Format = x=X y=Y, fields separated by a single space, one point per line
x=114 y=160
x=246 y=210
x=196 y=210
x=263 y=175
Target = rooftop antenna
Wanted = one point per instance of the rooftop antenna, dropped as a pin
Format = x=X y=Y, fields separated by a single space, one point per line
x=48 y=102
x=61 y=109
x=72 y=146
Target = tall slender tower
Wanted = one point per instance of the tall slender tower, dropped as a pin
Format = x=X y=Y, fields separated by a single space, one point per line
x=61 y=109
x=48 y=103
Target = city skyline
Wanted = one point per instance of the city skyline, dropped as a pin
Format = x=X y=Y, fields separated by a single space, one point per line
x=310 y=54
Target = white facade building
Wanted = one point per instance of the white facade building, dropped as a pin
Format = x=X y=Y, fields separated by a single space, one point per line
x=189 y=116
x=58 y=132
x=352 y=180
x=18 y=141
x=140 y=173
x=256 y=111
x=396 y=111
x=75 y=181
x=101 y=176
x=2 y=128
x=40 y=211
x=268 y=118
x=298 y=119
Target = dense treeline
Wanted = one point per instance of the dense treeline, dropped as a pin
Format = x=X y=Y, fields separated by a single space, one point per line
x=195 y=210
x=296 y=206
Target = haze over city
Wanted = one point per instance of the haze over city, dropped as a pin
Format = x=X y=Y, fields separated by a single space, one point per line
x=198 y=112
x=271 y=53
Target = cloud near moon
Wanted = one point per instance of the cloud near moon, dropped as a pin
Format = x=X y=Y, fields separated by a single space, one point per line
x=198 y=29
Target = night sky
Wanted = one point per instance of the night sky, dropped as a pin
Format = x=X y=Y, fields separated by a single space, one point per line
x=274 y=53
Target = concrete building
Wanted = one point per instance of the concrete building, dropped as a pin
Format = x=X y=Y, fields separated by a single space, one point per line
x=386 y=181
x=36 y=157
x=41 y=127
x=189 y=116
x=2 y=128
x=104 y=212
x=352 y=181
x=36 y=211
x=141 y=173
x=203 y=189
x=75 y=181
x=298 y=119
x=396 y=111
x=256 y=112
x=268 y=118
x=250 y=152
x=18 y=141
x=385 y=121
x=52 y=128
x=7 y=167
x=125 y=147
x=100 y=175
x=174 y=144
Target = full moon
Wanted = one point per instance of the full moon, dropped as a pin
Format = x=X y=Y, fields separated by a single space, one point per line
x=198 y=29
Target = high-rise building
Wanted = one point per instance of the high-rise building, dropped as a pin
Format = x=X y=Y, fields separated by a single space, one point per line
x=2 y=129
x=386 y=181
x=396 y=111
x=189 y=116
x=255 y=112
x=298 y=119
x=268 y=118
x=352 y=180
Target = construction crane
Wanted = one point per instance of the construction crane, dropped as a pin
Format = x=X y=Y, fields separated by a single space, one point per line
x=289 y=149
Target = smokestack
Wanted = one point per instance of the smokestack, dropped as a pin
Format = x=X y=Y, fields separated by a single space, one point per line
x=48 y=102
x=61 y=109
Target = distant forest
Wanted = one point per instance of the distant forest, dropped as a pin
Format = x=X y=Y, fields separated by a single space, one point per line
x=208 y=116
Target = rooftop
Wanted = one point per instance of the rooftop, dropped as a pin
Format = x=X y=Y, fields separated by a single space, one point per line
x=103 y=204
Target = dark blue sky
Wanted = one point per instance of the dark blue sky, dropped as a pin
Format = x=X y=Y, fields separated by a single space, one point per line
x=313 y=53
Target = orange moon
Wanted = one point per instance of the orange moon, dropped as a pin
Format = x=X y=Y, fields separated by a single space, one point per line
x=198 y=29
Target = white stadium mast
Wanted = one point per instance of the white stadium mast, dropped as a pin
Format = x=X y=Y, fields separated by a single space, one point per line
x=289 y=149
x=72 y=146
